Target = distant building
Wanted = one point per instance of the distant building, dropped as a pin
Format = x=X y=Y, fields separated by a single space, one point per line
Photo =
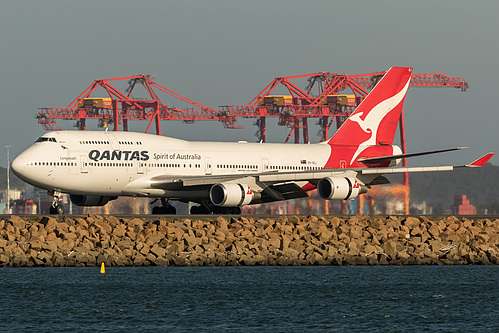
x=462 y=206
x=14 y=194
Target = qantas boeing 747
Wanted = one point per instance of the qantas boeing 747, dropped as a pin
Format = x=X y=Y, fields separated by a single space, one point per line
x=95 y=167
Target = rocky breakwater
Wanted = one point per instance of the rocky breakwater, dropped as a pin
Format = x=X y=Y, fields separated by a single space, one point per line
x=293 y=240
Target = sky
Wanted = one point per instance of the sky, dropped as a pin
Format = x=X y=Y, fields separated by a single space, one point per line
x=226 y=52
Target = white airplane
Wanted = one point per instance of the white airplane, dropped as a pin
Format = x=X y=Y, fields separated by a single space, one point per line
x=95 y=167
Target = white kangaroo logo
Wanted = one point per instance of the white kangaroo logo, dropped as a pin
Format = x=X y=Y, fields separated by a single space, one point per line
x=374 y=117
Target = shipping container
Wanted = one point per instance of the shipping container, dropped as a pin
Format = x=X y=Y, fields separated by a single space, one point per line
x=340 y=100
x=276 y=100
x=95 y=103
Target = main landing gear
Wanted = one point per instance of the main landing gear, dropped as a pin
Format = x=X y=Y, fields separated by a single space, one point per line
x=202 y=210
x=164 y=209
x=56 y=207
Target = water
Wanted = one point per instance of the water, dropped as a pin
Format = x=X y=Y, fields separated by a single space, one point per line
x=251 y=299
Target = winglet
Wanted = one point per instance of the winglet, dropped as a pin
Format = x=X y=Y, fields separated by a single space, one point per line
x=481 y=161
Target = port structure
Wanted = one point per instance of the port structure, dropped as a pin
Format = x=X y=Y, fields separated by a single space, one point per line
x=295 y=108
x=120 y=107
x=321 y=99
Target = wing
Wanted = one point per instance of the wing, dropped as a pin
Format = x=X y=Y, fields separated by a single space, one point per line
x=275 y=186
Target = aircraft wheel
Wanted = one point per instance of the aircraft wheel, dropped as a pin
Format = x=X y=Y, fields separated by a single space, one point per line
x=57 y=210
x=198 y=210
x=228 y=210
x=164 y=210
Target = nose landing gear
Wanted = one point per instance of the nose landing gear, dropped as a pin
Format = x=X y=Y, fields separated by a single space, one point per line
x=56 y=207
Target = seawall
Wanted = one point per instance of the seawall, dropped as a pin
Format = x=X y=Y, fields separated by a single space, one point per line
x=286 y=240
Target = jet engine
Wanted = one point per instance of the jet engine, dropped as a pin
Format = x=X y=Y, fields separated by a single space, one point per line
x=90 y=200
x=231 y=194
x=340 y=188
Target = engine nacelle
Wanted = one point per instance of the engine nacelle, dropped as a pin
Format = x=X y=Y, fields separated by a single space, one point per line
x=339 y=188
x=231 y=194
x=90 y=200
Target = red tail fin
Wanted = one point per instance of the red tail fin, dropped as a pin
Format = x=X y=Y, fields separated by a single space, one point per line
x=375 y=119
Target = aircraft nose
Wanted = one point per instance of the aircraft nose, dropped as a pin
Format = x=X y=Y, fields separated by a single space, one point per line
x=18 y=165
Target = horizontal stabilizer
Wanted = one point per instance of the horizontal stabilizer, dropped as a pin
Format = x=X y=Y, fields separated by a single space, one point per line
x=396 y=157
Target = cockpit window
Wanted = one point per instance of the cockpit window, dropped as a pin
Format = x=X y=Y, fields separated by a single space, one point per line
x=45 y=139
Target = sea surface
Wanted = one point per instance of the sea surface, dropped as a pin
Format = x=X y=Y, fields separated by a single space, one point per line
x=251 y=299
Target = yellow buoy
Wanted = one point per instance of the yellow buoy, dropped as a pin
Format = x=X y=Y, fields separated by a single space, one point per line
x=102 y=269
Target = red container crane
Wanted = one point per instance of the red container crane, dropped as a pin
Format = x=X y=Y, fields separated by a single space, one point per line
x=122 y=107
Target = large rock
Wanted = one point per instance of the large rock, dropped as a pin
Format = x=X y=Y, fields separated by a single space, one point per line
x=17 y=222
x=119 y=230
x=411 y=222
x=221 y=223
x=49 y=223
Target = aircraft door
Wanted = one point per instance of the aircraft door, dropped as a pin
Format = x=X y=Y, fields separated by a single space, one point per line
x=83 y=164
x=113 y=141
x=140 y=167
x=265 y=164
x=207 y=162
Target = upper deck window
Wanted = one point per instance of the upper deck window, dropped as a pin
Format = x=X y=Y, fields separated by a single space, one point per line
x=45 y=139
